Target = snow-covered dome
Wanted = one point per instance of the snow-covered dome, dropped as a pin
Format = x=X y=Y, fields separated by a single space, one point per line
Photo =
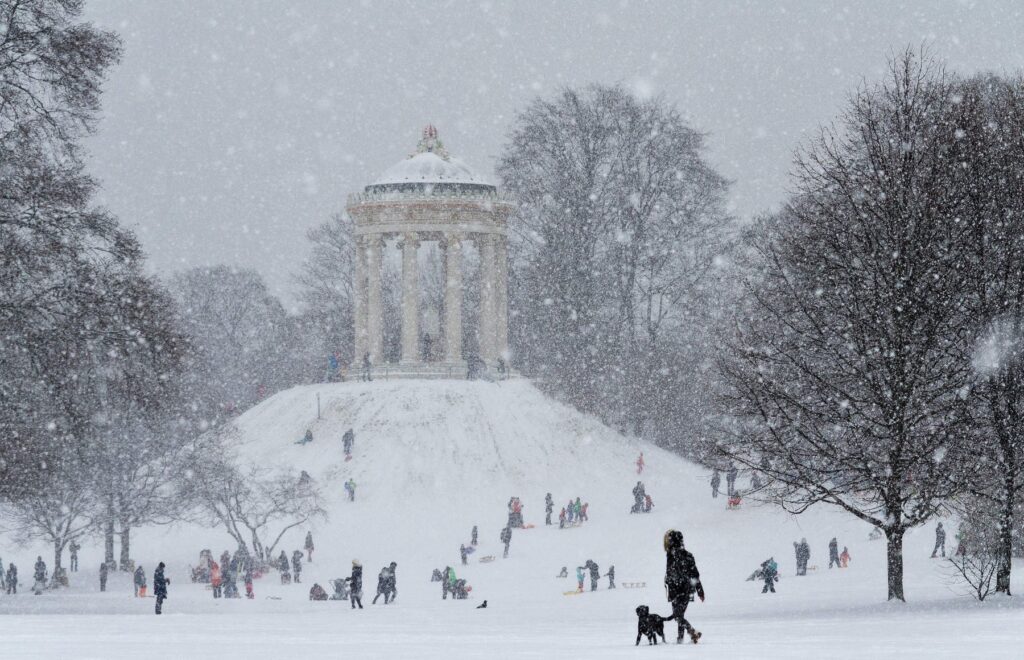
x=430 y=169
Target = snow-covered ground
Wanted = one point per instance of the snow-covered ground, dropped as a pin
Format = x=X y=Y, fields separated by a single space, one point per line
x=434 y=458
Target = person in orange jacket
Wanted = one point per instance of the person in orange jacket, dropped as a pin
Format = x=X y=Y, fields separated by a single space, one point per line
x=215 y=578
x=844 y=558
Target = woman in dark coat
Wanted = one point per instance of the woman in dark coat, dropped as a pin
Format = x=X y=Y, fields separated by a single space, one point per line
x=682 y=579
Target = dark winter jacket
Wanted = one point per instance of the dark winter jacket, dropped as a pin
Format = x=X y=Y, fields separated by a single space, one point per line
x=681 y=575
x=159 y=581
x=297 y=562
x=549 y=504
x=833 y=549
x=40 y=574
x=309 y=541
x=506 y=535
x=140 y=577
x=356 y=580
x=282 y=563
x=595 y=572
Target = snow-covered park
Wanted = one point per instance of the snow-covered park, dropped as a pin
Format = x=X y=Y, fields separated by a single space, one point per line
x=427 y=468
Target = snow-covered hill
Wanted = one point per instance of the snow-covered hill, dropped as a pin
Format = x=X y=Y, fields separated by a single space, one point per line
x=433 y=458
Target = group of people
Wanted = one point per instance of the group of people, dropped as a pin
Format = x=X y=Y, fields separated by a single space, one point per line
x=642 y=502
x=573 y=513
x=451 y=584
x=595 y=573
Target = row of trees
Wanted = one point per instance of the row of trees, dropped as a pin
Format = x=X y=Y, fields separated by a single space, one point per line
x=874 y=359
x=105 y=376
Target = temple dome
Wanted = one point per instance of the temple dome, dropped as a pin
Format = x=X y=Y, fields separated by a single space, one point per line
x=430 y=169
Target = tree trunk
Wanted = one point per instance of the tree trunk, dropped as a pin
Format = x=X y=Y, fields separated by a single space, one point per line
x=58 y=550
x=894 y=537
x=108 y=541
x=1005 y=548
x=125 y=545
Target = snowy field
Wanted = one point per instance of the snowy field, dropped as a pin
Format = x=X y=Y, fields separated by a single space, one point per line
x=431 y=460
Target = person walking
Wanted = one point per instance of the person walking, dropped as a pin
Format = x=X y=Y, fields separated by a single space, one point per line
x=770 y=574
x=12 y=578
x=682 y=580
x=297 y=565
x=549 y=506
x=506 y=538
x=347 y=441
x=74 y=548
x=844 y=559
x=39 y=576
x=355 y=581
x=309 y=547
x=640 y=464
x=473 y=536
x=160 y=586
x=611 y=577
x=716 y=481
x=940 y=541
x=382 y=589
x=833 y=553
x=595 y=574
x=139 y=580
x=103 y=576
x=730 y=479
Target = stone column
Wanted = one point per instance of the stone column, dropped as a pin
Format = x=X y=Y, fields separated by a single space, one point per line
x=501 y=297
x=410 y=300
x=488 y=291
x=359 y=302
x=453 y=298
x=374 y=327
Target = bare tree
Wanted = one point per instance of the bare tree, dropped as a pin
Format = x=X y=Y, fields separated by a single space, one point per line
x=845 y=364
x=254 y=505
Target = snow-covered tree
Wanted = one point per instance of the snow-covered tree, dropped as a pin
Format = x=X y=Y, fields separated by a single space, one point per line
x=845 y=366
x=620 y=227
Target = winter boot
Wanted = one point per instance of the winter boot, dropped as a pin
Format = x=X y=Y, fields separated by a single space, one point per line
x=695 y=635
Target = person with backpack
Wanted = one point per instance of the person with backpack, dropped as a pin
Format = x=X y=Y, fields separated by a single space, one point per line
x=309 y=547
x=160 y=587
x=682 y=580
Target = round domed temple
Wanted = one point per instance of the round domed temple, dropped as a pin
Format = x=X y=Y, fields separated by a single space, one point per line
x=431 y=196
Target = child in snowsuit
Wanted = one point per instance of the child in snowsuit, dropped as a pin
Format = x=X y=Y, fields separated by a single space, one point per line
x=611 y=577
x=561 y=519
x=844 y=558
x=583 y=511
x=140 y=581
x=579 y=578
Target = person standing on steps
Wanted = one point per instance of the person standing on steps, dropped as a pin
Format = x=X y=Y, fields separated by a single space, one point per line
x=103 y=577
x=716 y=481
x=549 y=506
x=682 y=579
x=160 y=587
x=309 y=547
x=355 y=595
x=940 y=541
x=730 y=479
x=833 y=553
x=506 y=538
x=473 y=537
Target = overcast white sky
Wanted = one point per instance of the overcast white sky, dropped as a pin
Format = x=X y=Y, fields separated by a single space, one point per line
x=232 y=126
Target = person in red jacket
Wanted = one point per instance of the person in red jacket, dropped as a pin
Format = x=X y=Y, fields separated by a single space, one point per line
x=215 y=578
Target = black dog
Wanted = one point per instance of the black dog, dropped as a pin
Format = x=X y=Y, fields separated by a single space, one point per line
x=651 y=625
